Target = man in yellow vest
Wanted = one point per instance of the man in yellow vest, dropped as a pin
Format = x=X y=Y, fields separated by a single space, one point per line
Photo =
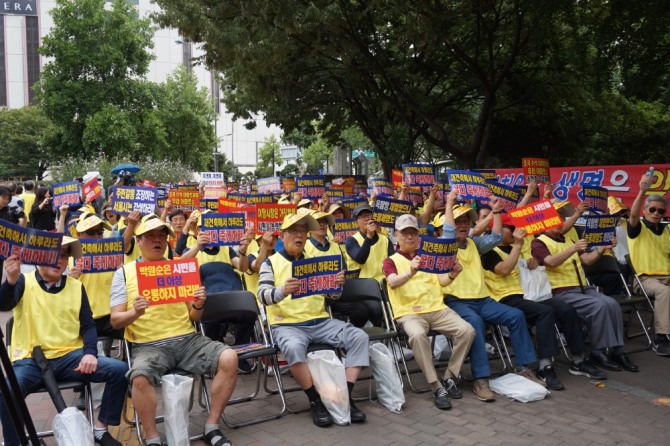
x=649 y=244
x=52 y=310
x=418 y=307
x=504 y=283
x=468 y=296
x=163 y=338
x=298 y=322
x=563 y=259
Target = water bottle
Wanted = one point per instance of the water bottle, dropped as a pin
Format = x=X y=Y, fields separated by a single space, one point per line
x=650 y=173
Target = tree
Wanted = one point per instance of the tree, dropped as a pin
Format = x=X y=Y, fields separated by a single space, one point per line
x=21 y=151
x=269 y=157
x=290 y=170
x=187 y=115
x=92 y=88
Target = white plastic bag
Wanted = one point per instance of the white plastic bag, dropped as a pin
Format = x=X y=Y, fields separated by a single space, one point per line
x=534 y=282
x=442 y=348
x=71 y=428
x=387 y=382
x=176 y=391
x=517 y=387
x=331 y=383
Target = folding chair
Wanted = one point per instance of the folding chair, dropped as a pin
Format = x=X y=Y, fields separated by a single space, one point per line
x=243 y=303
x=135 y=421
x=65 y=385
x=608 y=264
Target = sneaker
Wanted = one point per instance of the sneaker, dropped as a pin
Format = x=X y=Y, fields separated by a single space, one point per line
x=585 y=368
x=320 y=414
x=551 y=380
x=441 y=398
x=483 y=391
x=529 y=374
x=452 y=389
x=107 y=440
x=661 y=345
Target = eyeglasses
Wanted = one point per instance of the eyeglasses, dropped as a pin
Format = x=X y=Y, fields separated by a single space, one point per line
x=94 y=232
x=296 y=230
x=653 y=210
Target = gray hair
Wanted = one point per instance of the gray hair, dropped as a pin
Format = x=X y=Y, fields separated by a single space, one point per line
x=655 y=197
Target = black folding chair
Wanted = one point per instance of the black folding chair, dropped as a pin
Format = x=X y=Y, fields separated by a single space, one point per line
x=243 y=303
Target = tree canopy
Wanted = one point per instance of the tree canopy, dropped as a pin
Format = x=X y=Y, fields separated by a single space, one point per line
x=21 y=151
x=484 y=80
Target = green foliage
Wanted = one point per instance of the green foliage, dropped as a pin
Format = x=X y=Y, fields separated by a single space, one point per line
x=269 y=158
x=21 y=151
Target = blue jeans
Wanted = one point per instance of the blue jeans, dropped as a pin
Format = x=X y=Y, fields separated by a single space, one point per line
x=109 y=371
x=478 y=312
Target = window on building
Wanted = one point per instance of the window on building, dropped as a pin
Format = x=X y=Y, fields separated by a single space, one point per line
x=32 y=54
x=3 y=73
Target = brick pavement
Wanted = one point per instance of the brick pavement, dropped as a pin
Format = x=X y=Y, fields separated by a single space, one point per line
x=583 y=414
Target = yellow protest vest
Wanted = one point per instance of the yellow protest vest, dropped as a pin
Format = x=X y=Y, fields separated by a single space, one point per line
x=564 y=275
x=312 y=251
x=46 y=319
x=290 y=310
x=223 y=256
x=421 y=294
x=98 y=287
x=372 y=268
x=158 y=321
x=503 y=286
x=135 y=253
x=649 y=252
x=470 y=282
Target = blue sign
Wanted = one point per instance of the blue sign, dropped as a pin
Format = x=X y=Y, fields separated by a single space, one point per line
x=317 y=275
x=469 y=185
x=438 y=255
x=224 y=229
x=100 y=255
x=600 y=230
x=33 y=246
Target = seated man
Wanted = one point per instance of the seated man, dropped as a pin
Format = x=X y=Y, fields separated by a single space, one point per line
x=163 y=338
x=467 y=295
x=298 y=322
x=67 y=337
x=563 y=259
x=649 y=242
x=504 y=283
x=418 y=307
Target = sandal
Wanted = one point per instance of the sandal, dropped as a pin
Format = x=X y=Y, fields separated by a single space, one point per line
x=216 y=438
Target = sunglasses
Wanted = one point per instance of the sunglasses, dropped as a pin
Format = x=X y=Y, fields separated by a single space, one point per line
x=653 y=210
x=94 y=232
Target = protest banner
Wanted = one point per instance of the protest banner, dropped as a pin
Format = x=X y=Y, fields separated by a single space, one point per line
x=317 y=275
x=269 y=217
x=352 y=202
x=387 y=209
x=536 y=217
x=344 y=228
x=92 y=190
x=335 y=193
x=418 y=174
x=66 y=193
x=211 y=179
x=168 y=281
x=237 y=196
x=227 y=205
x=33 y=246
x=100 y=255
x=488 y=174
x=184 y=199
x=162 y=197
x=213 y=193
x=211 y=204
x=288 y=184
x=600 y=230
x=380 y=187
x=469 y=185
x=126 y=199
x=269 y=185
x=185 y=186
x=535 y=169
x=260 y=198
x=438 y=255
x=509 y=196
x=148 y=183
x=595 y=197
x=311 y=187
x=396 y=178
x=223 y=229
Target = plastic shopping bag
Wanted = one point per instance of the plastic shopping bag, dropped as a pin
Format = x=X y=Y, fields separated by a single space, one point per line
x=442 y=348
x=71 y=428
x=331 y=383
x=387 y=381
x=534 y=282
x=176 y=391
x=518 y=388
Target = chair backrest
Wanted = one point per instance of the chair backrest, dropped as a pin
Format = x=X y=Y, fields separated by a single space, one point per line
x=8 y=331
x=630 y=264
x=605 y=264
x=229 y=304
x=360 y=289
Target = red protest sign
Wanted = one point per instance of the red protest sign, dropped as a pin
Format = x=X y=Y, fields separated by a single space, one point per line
x=396 y=178
x=212 y=193
x=535 y=169
x=226 y=205
x=92 y=190
x=536 y=217
x=184 y=199
x=269 y=217
x=168 y=281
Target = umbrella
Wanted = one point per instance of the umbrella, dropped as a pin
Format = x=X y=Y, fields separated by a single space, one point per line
x=128 y=168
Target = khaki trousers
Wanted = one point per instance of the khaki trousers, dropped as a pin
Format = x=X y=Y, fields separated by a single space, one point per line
x=445 y=322
x=658 y=287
